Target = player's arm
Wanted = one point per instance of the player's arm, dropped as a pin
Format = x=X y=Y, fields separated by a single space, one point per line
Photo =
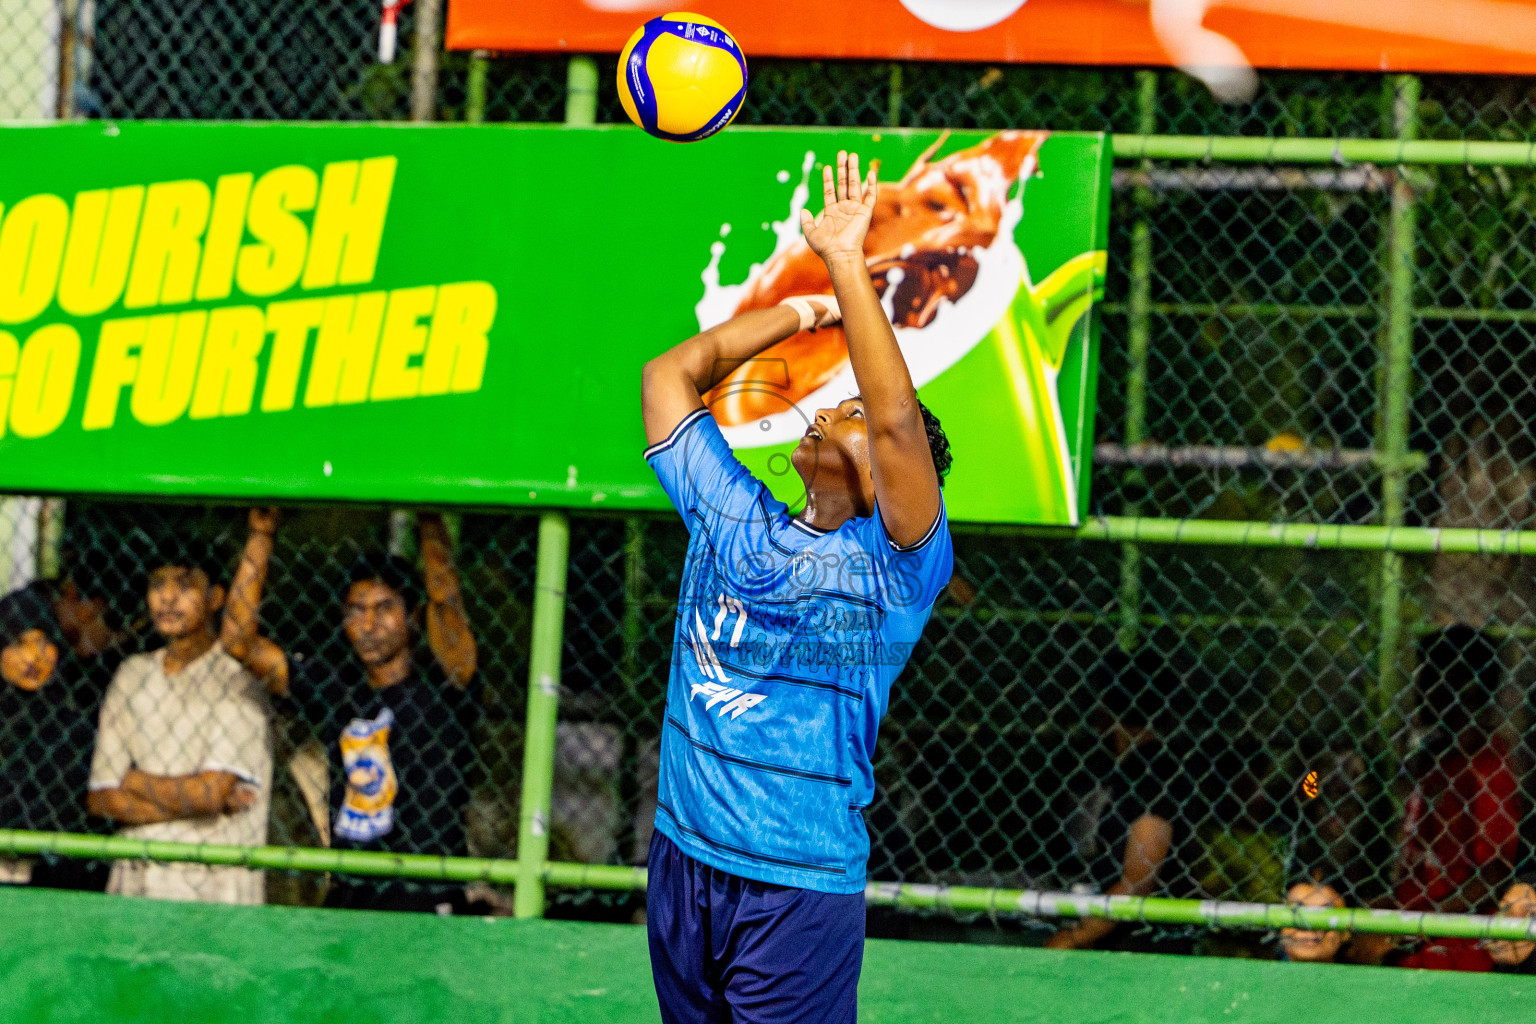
x=144 y=799
x=672 y=384
x=448 y=632
x=906 y=484
x=240 y=631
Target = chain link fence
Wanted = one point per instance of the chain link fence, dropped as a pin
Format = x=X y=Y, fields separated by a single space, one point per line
x=1318 y=344
x=1001 y=760
x=29 y=60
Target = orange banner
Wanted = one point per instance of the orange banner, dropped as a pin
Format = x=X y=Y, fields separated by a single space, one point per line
x=1484 y=36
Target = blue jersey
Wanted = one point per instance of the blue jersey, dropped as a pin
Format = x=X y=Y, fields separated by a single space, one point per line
x=788 y=639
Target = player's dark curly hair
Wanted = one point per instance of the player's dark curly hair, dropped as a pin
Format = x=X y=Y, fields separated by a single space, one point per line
x=938 y=442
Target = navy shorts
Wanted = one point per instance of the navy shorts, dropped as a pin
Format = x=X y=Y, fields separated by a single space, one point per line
x=728 y=950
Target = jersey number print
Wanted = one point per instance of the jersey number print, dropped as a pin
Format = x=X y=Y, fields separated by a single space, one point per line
x=703 y=639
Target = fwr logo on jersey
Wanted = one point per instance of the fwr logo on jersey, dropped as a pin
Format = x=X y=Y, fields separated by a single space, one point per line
x=736 y=701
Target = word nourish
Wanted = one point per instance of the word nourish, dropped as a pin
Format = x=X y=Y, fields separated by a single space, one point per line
x=180 y=242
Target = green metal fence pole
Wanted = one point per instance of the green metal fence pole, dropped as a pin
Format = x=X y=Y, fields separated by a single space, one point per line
x=1395 y=379
x=474 y=86
x=1139 y=340
x=50 y=539
x=543 y=710
x=893 y=98
x=633 y=626
x=548 y=625
x=581 y=92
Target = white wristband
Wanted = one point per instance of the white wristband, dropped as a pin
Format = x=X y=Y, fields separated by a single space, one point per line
x=801 y=304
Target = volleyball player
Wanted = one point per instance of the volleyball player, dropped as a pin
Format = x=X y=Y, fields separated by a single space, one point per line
x=790 y=632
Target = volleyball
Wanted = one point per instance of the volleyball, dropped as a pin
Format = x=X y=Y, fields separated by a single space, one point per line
x=682 y=77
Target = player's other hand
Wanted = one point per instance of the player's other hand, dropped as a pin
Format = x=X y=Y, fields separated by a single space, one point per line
x=838 y=234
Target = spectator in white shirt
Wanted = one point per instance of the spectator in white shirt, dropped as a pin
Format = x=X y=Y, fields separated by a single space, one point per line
x=182 y=750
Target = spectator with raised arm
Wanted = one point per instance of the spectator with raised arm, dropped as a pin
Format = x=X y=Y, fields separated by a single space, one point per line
x=1131 y=828
x=182 y=750
x=397 y=723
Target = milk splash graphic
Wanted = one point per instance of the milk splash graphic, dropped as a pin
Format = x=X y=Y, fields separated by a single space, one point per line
x=720 y=300
x=956 y=328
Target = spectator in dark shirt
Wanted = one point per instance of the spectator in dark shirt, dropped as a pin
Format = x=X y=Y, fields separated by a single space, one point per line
x=1125 y=826
x=1516 y=957
x=398 y=726
x=48 y=707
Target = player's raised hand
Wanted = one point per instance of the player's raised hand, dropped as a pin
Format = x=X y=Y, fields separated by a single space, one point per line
x=850 y=203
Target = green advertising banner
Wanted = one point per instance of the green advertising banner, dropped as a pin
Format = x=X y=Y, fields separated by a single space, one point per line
x=459 y=314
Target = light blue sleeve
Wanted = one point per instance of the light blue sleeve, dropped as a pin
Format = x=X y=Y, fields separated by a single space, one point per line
x=916 y=573
x=702 y=477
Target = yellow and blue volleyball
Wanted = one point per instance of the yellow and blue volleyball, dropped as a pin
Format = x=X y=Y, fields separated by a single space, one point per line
x=682 y=77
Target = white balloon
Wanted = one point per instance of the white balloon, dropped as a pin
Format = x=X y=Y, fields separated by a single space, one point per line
x=962 y=15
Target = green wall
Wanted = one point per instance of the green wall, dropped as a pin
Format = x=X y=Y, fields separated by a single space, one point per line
x=69 y=957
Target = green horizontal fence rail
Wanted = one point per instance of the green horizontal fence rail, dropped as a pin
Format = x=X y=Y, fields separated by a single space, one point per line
x=951 y=899
x=1199 y=913
x=1226 y=533
x=1269 y=150
x=497 y=871
x=1253 y=534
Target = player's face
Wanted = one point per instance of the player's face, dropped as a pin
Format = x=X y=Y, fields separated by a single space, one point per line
x=181 y=601
x=29 y=660
x=834 y=452
x=376 y=621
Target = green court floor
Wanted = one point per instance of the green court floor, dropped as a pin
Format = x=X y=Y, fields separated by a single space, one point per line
x=70 y=957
